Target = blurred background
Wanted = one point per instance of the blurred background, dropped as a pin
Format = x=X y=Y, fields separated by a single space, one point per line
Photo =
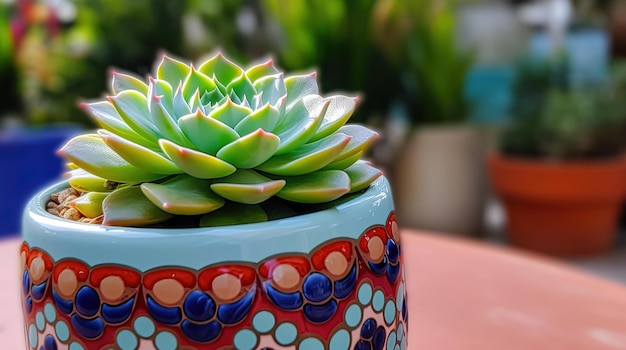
x=502 y=121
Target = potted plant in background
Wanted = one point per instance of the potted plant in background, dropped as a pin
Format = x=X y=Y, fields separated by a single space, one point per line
x=561 y=174
x=439 y=170
x=297 y=246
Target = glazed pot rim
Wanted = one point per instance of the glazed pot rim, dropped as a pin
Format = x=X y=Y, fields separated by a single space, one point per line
x=35 y=211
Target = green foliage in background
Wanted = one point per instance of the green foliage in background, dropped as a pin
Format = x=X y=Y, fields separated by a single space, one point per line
x=55 y=71
x=211 y=25
x=558 y=122
x=388 y=50
x=5 y=39
x=420 y=36
x=335 y=37
x=9 y=98
x=535 y=79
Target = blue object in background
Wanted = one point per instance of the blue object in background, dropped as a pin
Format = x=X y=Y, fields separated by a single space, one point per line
x=27 y=163
x=587 y=51
x=489 y=91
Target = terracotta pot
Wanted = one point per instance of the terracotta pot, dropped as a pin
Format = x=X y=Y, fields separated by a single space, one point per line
x=441 y=178
x=327 y=280
x=560 y=208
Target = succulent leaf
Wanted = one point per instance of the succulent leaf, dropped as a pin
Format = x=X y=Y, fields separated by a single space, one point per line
x=91 y=154
x=301 y=123
x=251 y=150
x=343 y=163
x=247 y=187
x=90 y=204
x=339 y=111
x=107 y=117
x=181 y=107
x=198 y=126
x=167 y=126
x=299 y=86
x=229 y=113
x=195 y=104
x=121 y=82
x=219 y=66
x=172 y=70
x=264 y=118
x=129 y=207
x=194 y=163
x=183 y=195
x=196 y=81
x=361 y=176
x=318 y=187
x=261 y=70
x=162 y=90
x=234 y=214
x=242 y=87
x=362 y=139
x=138 y=155
x=132 y=106
x=83 y=181
x=273 y=88
x=308 y=158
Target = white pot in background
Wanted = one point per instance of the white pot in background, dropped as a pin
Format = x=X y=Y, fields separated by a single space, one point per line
x=440 y=180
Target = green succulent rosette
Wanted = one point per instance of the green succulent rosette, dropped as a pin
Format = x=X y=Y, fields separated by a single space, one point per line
x=215 y=140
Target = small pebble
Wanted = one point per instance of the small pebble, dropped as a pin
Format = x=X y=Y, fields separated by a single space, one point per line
x=63 y=196
x=60 y=205
x=72 y=214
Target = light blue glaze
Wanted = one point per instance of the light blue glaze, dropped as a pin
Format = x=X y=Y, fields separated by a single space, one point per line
x=147 y=248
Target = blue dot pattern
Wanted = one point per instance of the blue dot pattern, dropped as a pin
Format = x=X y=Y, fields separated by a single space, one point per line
x=90 y=329
x=49 y=343
x=118 y=313
x=201 y=332
x=199 y=306
x=87 y=301
x=233 y=313
x=162 y=314
x=285 y=301
x=373 y=336
x=38 y=291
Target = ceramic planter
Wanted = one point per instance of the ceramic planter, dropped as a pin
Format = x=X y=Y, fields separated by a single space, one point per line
x=332 y=279
x=442 y=177
x=560 y=208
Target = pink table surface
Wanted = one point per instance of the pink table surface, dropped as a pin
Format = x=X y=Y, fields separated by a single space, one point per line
x=461 y=295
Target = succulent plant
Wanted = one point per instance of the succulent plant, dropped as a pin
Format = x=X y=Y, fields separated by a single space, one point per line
x=215 y=140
